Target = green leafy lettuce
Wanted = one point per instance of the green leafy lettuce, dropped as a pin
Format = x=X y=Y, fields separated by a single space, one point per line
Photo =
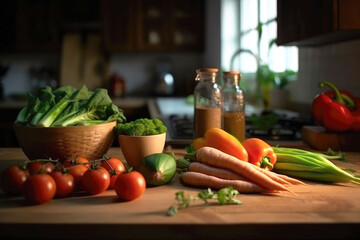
x=67 y=106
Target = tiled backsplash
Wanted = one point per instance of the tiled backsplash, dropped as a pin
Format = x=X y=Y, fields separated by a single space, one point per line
x=338 y=63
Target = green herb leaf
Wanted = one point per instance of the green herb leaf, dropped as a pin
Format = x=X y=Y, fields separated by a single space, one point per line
x=224 y=196
x=172 y=211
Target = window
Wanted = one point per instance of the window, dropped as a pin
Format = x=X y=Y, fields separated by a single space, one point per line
x=239 y=30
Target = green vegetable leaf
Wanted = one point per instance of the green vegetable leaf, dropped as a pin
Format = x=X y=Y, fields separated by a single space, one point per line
x=172 y=211
x=224 y=196
x=47 y=101
x=50 y=116
x=67 y=106
x=190 y=152
x=93 y=109
x=227 y=196
x=25 y=113
x=141 y=127
x=331 y=154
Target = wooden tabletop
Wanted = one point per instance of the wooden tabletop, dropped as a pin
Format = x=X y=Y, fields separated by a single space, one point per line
x=315 y=211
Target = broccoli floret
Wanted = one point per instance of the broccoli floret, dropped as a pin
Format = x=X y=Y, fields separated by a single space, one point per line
x=141 y=127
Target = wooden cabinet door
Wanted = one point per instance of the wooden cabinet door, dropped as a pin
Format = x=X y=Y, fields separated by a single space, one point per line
x=153 y=25
x=119 y=25
x=38 y=25
x=312 y=22
x=187 y=25
x=7 y=26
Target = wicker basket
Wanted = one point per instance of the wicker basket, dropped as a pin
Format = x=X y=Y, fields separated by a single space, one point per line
x=91 y=142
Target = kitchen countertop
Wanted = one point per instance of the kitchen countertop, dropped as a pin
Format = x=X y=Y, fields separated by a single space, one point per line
x=315 y=211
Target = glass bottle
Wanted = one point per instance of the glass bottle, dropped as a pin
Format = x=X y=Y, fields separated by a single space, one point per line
x=233 y=105
x=207 y=101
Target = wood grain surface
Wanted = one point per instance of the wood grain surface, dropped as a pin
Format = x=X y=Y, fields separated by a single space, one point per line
x=314 y=211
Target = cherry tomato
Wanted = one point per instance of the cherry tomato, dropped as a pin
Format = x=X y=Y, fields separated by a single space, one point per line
x=39 y=188
x=117 y=168
x=65 y=183
x=74 y=161
x=129 y=186
x=95 y=181
x=35 y=166
x=77 y=168
x=13 y=179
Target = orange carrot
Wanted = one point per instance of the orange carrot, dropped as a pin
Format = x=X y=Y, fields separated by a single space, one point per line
x=216 y=158
x=280 y=178
x=289 y=179
x=197 y=179
x=272 y=175
x=214 y=171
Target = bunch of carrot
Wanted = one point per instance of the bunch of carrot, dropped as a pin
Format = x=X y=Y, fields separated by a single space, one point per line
x=216 y=169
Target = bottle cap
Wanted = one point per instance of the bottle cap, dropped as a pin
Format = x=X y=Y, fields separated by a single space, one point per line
x=205 y=70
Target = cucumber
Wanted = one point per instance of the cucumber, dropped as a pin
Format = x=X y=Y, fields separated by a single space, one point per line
x=158 y=169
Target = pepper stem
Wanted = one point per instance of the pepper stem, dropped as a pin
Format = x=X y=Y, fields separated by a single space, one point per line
x=265 y=162
x=348 y=101
x=338 y=97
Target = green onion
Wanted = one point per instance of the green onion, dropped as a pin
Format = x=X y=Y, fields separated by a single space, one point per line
x=312 y=166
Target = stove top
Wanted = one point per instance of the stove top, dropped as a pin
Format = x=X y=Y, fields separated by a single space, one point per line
x=267 y=126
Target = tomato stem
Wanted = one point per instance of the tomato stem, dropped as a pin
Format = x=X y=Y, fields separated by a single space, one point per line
x=111 y=169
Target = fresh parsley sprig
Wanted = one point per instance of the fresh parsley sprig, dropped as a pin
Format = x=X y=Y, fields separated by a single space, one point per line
x=224 y=196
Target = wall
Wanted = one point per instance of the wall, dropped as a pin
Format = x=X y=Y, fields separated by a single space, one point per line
x=17 y=79
x=139 y=70
x=338 y=63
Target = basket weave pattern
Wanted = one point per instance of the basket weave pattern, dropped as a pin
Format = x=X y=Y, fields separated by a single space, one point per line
x=91 y=142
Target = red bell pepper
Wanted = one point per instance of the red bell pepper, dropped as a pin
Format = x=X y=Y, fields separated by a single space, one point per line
x=260 y=153
x=336 y=110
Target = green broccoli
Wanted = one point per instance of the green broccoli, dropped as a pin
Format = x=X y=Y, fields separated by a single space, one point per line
x=141 y=127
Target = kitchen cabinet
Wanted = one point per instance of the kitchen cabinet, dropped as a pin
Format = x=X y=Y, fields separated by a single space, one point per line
x=38 y=26
x=157 y=25
x=7 y=26
x=315 y=22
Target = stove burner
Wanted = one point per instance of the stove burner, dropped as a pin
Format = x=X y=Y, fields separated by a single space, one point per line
x=273 y=126
x=181 y=127
x=282 y=128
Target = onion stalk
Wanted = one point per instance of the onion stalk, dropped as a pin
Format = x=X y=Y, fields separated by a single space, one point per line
x=311 y=166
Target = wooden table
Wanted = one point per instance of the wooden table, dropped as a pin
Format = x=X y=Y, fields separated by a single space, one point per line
x=317 y=211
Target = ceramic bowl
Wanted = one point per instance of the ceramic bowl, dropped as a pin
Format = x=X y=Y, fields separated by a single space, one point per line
x=135 y=148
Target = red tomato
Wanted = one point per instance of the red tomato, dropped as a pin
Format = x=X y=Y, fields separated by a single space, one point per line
x=129 y=186
x=13 y=179
x=35 y=166
x=76 y=167
x=71 y=161
x=95 y=181
x=77 y=171
x=117 y=168
x=39 y=188
x=65 y=183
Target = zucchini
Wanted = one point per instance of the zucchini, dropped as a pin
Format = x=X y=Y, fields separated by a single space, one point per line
x=158 y=169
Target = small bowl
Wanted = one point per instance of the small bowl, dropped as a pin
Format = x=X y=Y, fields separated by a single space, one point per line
x=91 y=142
x=135 y=148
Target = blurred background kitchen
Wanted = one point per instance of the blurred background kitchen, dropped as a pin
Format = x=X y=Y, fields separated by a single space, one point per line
x=146 y=53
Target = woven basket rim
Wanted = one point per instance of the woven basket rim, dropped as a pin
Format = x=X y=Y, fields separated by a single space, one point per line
x=60 y=127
